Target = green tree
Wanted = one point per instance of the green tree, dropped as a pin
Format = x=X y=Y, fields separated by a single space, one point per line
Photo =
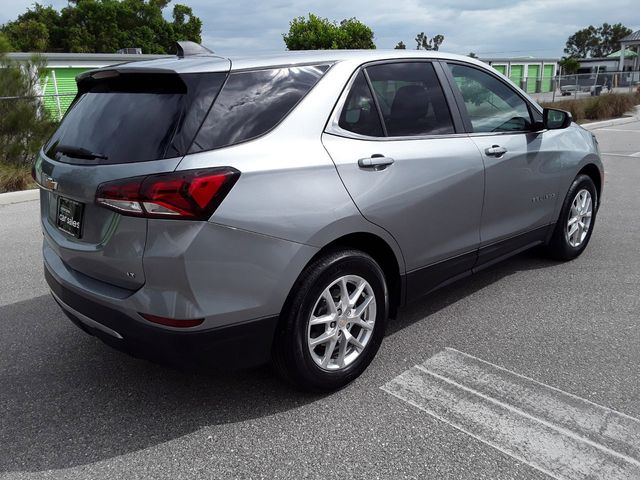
x=316 y=33
x=569 y=65
x=596 y=41
x=35 y=30
x=610 y=36
x=24 y=126
x=104 y=26
x=424 y=43
x=400 y=46
x=472 y=55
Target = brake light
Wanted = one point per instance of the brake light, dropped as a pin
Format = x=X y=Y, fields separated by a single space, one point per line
x=189 y=194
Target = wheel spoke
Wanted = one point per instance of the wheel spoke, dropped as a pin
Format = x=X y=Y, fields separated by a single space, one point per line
x=331 y=304
x=362 y=307
x=342 y=351
x=344 y=294
x=362 y=323
x=357 y=293
x=323 y=319
x=577 y=234
x=353 y=340
x=572 y=220
x=328 y=353
x=572 y=230
x=319 y=340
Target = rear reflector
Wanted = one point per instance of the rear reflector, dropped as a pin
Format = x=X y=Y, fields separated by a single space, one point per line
x=188 y=194
x=173 y=322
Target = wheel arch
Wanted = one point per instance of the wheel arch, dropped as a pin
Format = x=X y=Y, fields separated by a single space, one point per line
x=380 y=250
x=591 y=170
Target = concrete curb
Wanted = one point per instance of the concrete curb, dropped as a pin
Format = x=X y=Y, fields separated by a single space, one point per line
x=614 y=121
x=19 y=197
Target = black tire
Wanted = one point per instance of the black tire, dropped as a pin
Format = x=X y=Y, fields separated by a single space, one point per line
x=291 y=356
x=559 y=247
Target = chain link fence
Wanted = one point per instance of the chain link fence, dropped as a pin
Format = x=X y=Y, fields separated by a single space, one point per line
x=52 y=105
x=565 y=87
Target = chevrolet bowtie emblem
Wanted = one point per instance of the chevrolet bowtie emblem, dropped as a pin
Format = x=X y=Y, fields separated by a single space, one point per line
x=49 y=183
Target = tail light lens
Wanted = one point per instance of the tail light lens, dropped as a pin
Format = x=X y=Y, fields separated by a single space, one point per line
x=189 y=194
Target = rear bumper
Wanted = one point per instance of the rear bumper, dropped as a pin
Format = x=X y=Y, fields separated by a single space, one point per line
x=236 y=346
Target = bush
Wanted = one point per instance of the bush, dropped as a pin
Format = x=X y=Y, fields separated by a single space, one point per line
x=24 y=125
x=13 y=178
x=610 y=105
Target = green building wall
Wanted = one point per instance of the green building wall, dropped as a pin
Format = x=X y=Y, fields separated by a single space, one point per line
x=60 y=81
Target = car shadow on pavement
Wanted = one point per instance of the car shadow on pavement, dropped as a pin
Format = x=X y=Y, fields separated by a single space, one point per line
x=68 y=400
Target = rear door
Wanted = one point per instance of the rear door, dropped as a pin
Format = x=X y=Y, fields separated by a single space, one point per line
x=120 y=125
x=395 y=146
x=523 y=166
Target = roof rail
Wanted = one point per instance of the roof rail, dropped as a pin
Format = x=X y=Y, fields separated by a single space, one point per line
x=186 y=48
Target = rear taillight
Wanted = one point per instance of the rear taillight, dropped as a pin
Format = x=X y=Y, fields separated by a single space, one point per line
x=189 y=194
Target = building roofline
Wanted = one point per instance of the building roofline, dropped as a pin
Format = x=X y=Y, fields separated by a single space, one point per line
x=520 y=59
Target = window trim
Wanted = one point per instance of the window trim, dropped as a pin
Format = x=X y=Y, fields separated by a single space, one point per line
x=332 y=127
x=463 y=108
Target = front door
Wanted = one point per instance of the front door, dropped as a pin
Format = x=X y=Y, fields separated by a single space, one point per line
x=522 y=167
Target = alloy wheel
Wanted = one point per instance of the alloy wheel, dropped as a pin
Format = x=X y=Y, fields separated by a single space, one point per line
x=579 y=220
x=341 y=322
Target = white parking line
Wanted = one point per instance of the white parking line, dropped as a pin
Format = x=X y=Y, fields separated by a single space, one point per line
x=619 y=130
x=562 y=435
x=637 y=154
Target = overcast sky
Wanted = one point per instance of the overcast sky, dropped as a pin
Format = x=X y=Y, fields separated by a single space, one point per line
x=487 y=27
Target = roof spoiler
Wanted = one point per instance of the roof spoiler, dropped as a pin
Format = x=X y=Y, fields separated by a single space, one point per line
x=187 y=48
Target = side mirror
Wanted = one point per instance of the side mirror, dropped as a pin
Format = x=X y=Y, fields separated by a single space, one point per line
x=556 y=119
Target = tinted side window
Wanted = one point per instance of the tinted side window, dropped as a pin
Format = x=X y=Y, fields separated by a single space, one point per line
x=492 y=105
x=411 y=99
x=359 y=113
x=252 y=103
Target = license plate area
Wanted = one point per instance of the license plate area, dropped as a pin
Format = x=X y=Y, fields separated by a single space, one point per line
x=69 y=216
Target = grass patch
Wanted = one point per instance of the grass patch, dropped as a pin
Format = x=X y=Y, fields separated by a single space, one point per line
x=610 y=105
x=14 y=178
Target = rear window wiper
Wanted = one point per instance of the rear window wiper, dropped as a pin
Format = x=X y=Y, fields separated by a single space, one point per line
x=79 y=152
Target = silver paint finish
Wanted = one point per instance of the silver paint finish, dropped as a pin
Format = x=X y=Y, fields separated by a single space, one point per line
x=111 y=245
x=531 y=167
x=429 y=199
x=197 y=270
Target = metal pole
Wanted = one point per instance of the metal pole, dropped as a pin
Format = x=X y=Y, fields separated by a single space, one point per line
x=55 y=86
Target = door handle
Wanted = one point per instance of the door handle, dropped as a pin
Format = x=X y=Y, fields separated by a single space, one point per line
x=375 y=162
x=495 y=151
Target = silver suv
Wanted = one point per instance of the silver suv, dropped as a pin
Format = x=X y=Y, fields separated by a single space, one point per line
x=216 y=210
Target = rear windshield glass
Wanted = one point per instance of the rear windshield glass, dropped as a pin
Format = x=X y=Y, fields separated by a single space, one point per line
x=126 y=118
x=252 y=103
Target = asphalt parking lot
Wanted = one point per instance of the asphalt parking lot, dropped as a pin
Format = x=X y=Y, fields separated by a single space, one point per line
x=567 y=335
